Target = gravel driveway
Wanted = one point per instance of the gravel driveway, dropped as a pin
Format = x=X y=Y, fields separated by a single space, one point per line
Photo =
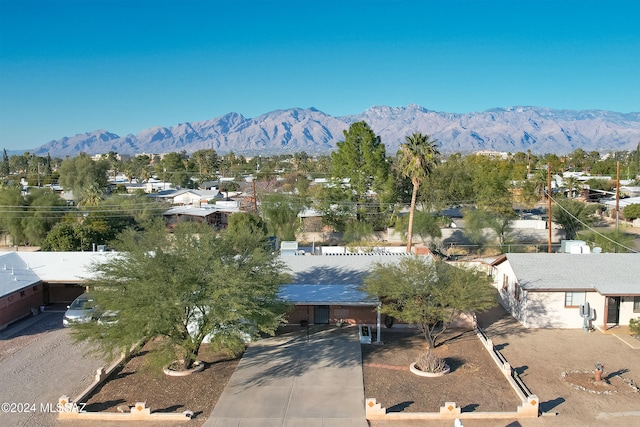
x=38 y=363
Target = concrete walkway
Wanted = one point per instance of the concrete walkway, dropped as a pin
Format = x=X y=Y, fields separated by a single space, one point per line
x=295 y=380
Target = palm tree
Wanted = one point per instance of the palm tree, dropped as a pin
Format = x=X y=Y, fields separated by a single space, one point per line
x=91 y=196
x=416 y=159
x=572 y=184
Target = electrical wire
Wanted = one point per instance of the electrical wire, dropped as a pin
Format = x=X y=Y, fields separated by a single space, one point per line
x=589 y=227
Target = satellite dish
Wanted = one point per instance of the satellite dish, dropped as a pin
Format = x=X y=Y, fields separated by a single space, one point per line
x=597 y=250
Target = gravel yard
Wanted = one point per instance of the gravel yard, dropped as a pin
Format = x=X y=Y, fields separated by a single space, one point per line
x=38 y=363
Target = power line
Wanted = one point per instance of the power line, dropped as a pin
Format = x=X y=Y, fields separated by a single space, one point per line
x=591 y=229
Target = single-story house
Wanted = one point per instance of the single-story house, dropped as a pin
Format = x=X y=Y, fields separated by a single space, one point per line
x=20 y=289
x=545 y=290
x=187 y=196
x=29 y=280
x=215 y=215
x=311 y=220
x=325 y=288
x=194 y=197
x=622 y=203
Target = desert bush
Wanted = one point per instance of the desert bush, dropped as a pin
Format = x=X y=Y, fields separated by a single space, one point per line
x=632 y=211
x=634 y=326
x=429 y=362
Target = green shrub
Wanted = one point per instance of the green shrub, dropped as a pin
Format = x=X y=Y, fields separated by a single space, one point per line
x=634 y=326
x=632 y=211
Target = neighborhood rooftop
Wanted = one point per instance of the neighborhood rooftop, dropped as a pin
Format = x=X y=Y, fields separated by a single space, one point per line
x=21 y=269
x=335 y=270
x=325 y=295
x=608 y=273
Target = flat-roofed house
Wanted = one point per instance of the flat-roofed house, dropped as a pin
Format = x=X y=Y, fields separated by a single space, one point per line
x=29 y=280
x=325 y=288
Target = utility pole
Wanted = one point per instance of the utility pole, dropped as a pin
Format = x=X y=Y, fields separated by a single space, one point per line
x=255 y=196
x=617 y=196
x=549 y=221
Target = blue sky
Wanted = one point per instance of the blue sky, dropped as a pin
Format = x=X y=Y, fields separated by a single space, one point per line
x=73 y=66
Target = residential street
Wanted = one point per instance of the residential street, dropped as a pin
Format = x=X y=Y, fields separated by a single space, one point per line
x=38 y=363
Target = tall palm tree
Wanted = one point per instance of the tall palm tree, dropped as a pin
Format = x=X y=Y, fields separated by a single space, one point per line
x=416 y=159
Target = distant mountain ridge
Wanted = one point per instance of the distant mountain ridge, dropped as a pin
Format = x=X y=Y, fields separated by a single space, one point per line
x=512 y=129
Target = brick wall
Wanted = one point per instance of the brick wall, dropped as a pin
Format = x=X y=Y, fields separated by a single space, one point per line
x=353 y=315
x=19 y=304
x=350 y=314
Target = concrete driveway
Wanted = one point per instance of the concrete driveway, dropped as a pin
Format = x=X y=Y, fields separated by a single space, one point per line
x=295 y=380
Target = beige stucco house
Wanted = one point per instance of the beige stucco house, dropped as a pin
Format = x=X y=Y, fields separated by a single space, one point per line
x=546 y=290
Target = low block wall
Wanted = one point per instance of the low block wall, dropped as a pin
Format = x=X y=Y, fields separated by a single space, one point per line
x=528 y=409
x=72 y=409
x=139 y=412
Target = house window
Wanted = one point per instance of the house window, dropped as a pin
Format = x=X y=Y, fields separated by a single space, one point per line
x=22 y=293
x=505 y=282
x=636 y=304
x=516 y=292
x=35 y=288
x=574 y=299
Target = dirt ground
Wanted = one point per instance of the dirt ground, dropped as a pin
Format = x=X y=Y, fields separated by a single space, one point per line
x=557 y=365
x=137 y=382
x=474 y=383
x=545 y=356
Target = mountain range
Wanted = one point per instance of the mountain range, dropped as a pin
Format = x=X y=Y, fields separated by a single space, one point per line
x=512 y=129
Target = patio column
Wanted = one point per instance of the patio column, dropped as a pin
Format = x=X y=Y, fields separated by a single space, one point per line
x=378 y=328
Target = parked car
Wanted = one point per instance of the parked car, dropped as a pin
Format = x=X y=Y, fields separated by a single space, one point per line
x=108 y=318
x=81 y=310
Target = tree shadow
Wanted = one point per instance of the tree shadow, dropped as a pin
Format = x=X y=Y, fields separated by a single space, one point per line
x=196 y=414
x=172 y=408
x=120 y=375
x=209 y=365
x=399 y=407
x=520 y=369
x=103 y=406
x=455 y=337
x=501 y=346
x=296 y=354
x=44 y=322
x=456 y=237
x=454 y=363
x=469 y=408
x=550 y=404
x=616 y=373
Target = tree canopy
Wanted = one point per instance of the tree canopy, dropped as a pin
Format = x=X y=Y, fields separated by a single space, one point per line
x=28 y=219
x=83 y=175
x=425 y=225
x=632 y=211
x=477 y=220
x=361 y=158
x=430 y=294
x=280 y=213
x=183 y=288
